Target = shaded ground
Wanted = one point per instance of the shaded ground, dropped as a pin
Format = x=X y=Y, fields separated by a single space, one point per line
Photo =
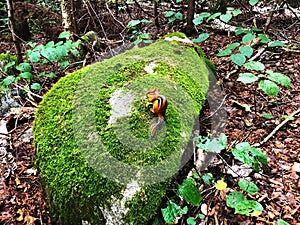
x=22 y=200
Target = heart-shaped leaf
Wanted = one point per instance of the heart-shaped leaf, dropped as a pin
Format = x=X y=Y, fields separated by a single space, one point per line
x=238 y=59
x=247 y=78
x=269 y=87
x=226 y=17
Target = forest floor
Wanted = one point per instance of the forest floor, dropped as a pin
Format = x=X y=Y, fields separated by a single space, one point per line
x=22 y=200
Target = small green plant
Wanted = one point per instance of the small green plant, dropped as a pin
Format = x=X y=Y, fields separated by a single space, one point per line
x=172 y=16
x=189 y=191
x=55 y=54
x=134 y=27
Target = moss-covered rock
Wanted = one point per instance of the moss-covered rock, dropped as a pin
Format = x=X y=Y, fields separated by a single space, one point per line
x=109 y=171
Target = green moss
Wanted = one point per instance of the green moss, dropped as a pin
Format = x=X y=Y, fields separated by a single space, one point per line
x=73 y=163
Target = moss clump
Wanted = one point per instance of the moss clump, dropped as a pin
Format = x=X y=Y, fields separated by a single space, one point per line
x=86 y=163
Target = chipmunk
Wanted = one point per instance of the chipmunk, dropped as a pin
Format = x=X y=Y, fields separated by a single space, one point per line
x=159 y=108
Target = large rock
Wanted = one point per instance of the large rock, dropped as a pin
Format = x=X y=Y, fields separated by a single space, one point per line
x=92 y=133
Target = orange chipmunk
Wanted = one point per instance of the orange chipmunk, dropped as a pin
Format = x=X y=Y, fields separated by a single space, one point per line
x=159 y=108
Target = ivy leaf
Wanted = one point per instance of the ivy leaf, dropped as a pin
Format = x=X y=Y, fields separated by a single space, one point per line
x=233 y=45
x=254 y=65
x=224 y=52
x=236 y=12
x=233 y=198
x=8 y=80
x=191 y=221
x=64 y=34
x=249 y=208
x=201 y=37
x=246 y=50
x=248 y=38
x=221 y=185
x=247 y=78
x=213 y=16
x=253 y=2
x=26 y=75
x=238 y=59
x=178 y=16
x=190 y=192
x=264 y=38
x=268 y=115
x=226 y=17
x=277 y=44
x=279 y=78
x=35 y=57
x=248 y=186
x=35 y=86
x=172 y=211
x=24 y=67
x=249 y=155
x=169 y=14
x=269 y=87
x=282 y=222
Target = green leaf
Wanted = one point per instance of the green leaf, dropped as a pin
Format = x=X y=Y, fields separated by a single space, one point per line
x=50 y=54
x=264 y=38
x=201 y=216
x=8 y=65
x=207 y=178
x=213 y=16
x=269 y=87
x=277 y=44
x=253 y=2
x=133 y=23
x=63 y=64
x=279 y=78
x=241 y=30
x=26 y=75
x=233 y=198
x=8 y=80
x=178 y=16
x=64 y=34
x=241 y=152
x=201 y=37
x=248 y=38
x=191 y=221
x=35 y=57
x=24 y=67
x=248 y=186
x=214 y=144
x=238 y=59
x=50 y=44
x=36 y=86
x=288 y=117
x=198 y=20
x=224 y=52
x=172 y=211
x=61 y=52
x=226 y=17
x=51 y=75
x=233 y=45
x=169 y=14
x=249 y=208
x=236 y=12
x=254 y=65
x=282 y=222
x=247 y=78
x=268 y=115
x=246 y=50
x=190 y=192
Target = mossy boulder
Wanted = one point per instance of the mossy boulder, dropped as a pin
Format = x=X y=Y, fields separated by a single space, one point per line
x=92 y=133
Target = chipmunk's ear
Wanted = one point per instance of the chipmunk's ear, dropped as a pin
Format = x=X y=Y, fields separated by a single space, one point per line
x=154 y=89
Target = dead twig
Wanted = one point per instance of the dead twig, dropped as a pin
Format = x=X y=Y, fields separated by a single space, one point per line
x=276 y=129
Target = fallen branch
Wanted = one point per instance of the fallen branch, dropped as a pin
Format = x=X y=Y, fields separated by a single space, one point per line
x=276 y=129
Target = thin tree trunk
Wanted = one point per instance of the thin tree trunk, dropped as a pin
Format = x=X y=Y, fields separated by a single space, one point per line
x=190 y=17
x=68 y=17
x=11 y=25
x=155 y=12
